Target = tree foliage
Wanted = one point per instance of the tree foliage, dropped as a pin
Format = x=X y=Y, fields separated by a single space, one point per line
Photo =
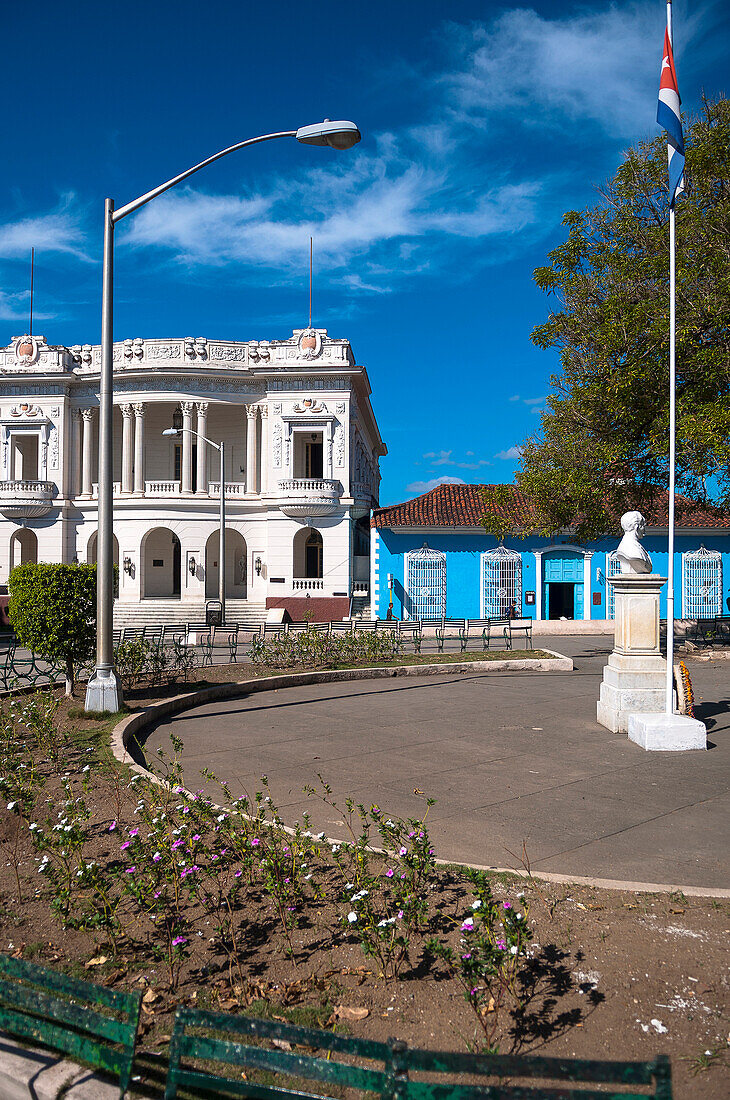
x=603 y=443
x=53 y=612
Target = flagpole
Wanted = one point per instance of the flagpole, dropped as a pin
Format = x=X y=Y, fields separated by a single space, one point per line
x=672 y=437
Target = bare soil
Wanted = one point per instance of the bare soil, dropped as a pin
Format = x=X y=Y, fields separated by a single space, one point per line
x=611 y=974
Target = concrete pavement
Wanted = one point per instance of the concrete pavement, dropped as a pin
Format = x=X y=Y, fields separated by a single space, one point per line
x=509 y=757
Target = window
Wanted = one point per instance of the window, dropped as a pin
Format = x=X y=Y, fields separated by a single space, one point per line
x=308 y=454
x=313 y=555
x=701 y=584
x=501 y=583
x=613 y=568
x=426 y=583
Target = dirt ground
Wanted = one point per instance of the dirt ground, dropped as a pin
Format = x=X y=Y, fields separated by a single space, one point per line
x=610 y=974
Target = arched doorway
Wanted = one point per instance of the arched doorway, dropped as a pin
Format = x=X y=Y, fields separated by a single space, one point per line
x=308 y=554
x=23 y=547
x=563 y=576
x=91 y=549
x=161 y=564
x=236 y=569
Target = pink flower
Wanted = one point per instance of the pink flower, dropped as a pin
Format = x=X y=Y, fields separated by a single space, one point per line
x=156 y=857
x=255 y=842
x=177 y=843
x=125 y=845
x=112 y=827
x=130 y=870
x=467 y=955
x=389 y=873
x=178 y=940
x=501 y=945
x=473 y=992
x=197 y=836
x=238 y=874
x=403 y=852
x=400 y=914
x=468 y=925
x=506 y=904
x=133 y=832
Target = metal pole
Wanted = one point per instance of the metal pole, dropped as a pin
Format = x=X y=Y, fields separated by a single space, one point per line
x=222 y=543
x=104 y=689
x=669 y=702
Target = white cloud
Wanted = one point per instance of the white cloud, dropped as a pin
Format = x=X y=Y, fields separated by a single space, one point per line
x=509 y=454
x=443 y=458
x=594 y=66
x=535 y=400
x=58 y=231
x=426 y=486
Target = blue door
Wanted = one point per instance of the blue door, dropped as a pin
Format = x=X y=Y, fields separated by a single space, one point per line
x=562 y=593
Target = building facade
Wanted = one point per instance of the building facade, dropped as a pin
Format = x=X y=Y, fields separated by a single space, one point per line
x=302 y=451
x=432 y=558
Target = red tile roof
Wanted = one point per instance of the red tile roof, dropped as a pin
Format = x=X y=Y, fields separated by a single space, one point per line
x=463 y=506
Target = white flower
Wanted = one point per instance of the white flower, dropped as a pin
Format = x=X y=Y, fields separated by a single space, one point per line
x=476 y=904
x=32 y=826
x=352 y=916
x=11 y=805
x=86 y=768
x=513 y=950
x=519 y=916
x=221 y=817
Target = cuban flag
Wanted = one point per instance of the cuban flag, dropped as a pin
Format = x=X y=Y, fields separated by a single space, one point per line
x=669 y=118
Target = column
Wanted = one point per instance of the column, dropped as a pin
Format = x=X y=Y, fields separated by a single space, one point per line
x=251 y=411
x=538 y=584
x=127 y=447
x=140 y=408
x=87 y=426
x=264 y=448
x=202 y=428
x=76 y=478
x=187 y=447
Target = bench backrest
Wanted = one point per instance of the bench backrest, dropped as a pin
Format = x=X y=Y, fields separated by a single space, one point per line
x=89 y=1022
x=235 y=1041
x=520 y=624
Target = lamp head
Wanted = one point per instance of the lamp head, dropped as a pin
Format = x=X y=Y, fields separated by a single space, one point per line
x=338 y=135
x=172 y=431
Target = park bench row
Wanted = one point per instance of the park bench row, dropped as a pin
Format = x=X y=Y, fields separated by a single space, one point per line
x=99 y=1026
x=714 y=630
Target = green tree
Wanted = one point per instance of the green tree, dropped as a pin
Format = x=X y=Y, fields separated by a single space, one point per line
x=53 y=612
x=603 y=443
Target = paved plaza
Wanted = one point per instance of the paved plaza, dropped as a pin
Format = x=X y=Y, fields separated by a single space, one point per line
x=509 y=757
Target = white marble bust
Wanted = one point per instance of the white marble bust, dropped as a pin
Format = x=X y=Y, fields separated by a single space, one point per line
x=630 y=552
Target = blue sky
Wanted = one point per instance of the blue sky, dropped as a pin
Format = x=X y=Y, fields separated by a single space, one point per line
x=482 y=123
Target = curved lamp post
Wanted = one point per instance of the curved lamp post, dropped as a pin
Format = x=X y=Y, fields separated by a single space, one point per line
x=104 y=690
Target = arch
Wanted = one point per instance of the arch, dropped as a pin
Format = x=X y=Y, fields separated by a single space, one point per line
x=501 y=582
x=161 y=560
x=236 y=567
x=308 y=549
x=91 y=548
x=23 y=547
x=425 y=584
x=701 y=583
x=563 y=582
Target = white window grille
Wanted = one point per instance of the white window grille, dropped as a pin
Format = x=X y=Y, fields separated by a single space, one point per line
x=701 y=584
x=501 y=582
x=613 y=567
x=426 y=584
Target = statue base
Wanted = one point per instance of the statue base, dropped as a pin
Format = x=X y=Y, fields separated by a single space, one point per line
x=634 y=680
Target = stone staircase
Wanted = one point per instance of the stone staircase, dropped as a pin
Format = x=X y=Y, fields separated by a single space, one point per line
x=174 y=612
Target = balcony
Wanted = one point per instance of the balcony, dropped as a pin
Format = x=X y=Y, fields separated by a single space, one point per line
x=363 y=498
x=26 y=499
x=309 y=496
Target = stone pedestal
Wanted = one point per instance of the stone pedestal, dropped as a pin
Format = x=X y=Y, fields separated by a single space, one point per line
x=634 y=680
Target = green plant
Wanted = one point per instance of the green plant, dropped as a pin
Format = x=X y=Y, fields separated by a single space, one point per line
x=492 y=950
x=53 y=612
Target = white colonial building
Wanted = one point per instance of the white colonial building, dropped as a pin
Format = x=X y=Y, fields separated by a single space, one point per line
x=302 y=452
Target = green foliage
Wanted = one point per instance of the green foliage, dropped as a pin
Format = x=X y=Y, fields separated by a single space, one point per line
x=317 y=649
x=53 y=612
x=603 y=443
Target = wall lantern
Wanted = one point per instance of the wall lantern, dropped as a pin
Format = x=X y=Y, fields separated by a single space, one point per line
x=177 y=420
x=192 y=566
x=128 y=565
x=258 y=566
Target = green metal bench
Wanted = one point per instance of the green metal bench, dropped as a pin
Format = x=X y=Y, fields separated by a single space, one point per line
x=235 y=1042
x=96 y=1025
x=21 y=668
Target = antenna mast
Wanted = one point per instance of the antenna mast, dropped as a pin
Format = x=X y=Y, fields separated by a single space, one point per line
x=32 y=260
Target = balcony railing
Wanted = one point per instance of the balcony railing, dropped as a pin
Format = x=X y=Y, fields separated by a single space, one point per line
x=309 y=496
x=308 y=585
x=26 y=499
x=233 y=488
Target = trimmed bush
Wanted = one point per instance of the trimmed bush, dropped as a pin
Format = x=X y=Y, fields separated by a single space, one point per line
x=53 y=612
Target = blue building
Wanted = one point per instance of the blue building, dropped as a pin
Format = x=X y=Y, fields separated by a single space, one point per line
x=431 y=557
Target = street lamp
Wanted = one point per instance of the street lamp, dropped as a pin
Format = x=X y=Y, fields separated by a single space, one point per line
x=104 y=690
x=222 y=512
